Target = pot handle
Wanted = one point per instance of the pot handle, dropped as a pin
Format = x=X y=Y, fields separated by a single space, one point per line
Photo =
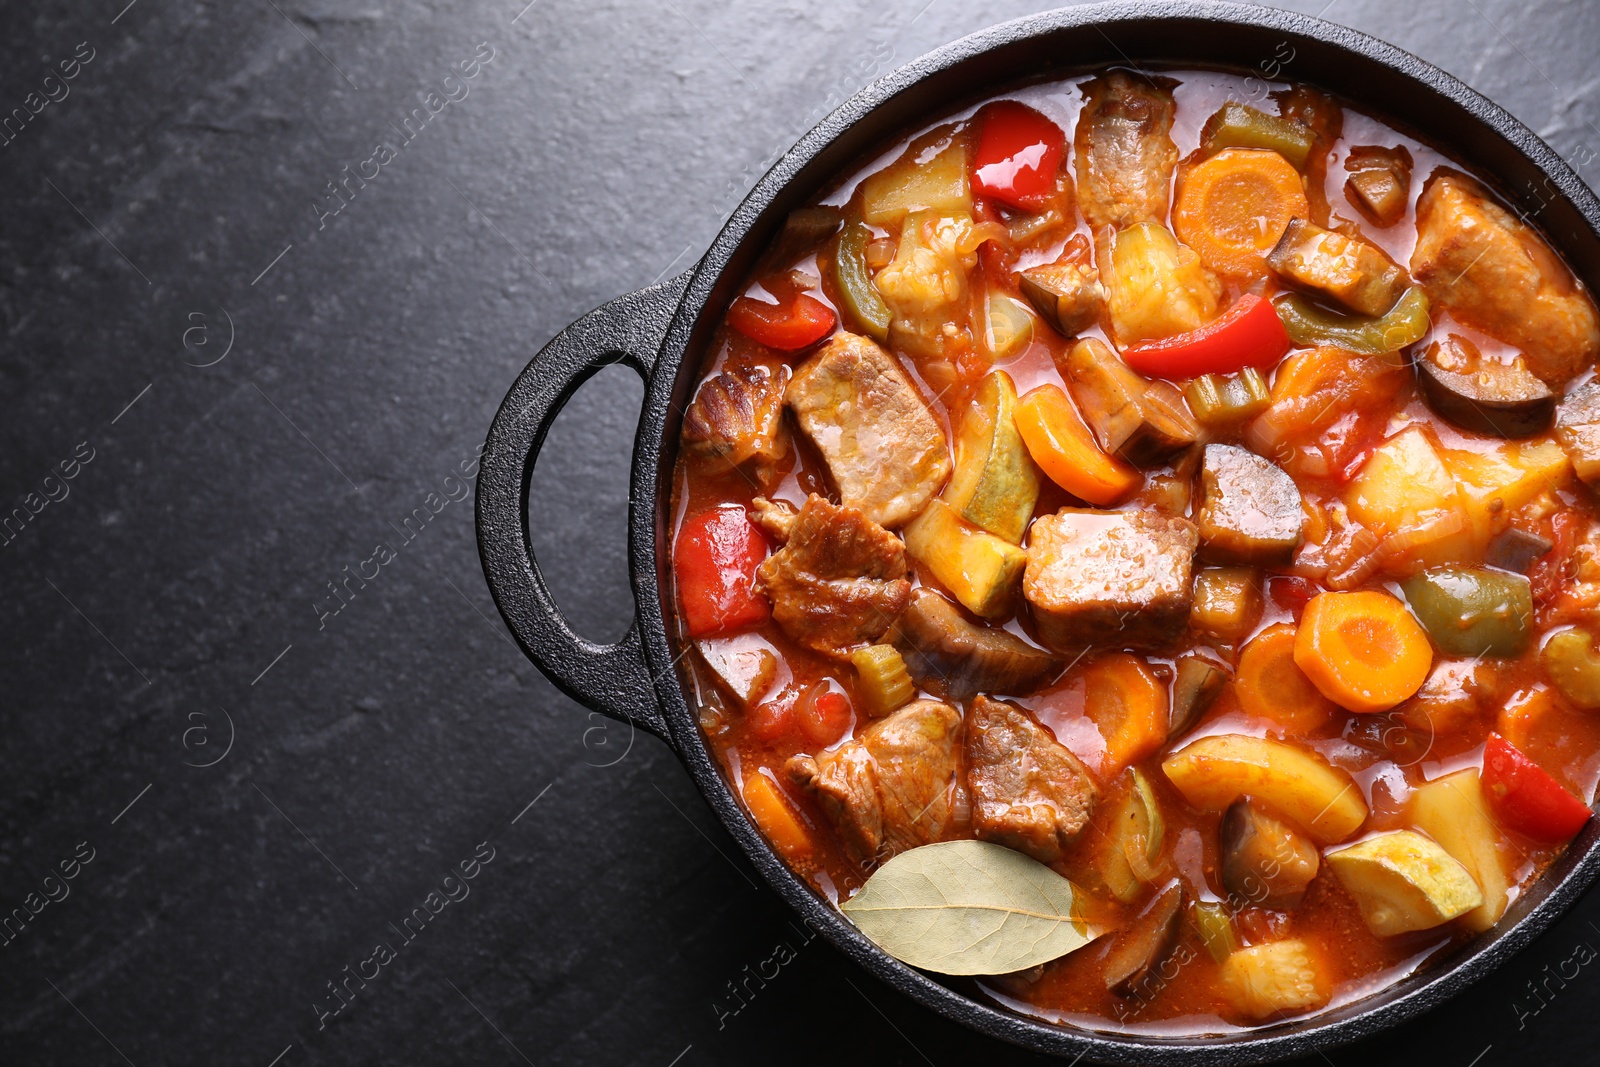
x=613 y=679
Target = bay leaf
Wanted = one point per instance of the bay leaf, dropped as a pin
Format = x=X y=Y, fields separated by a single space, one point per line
x=969 y=907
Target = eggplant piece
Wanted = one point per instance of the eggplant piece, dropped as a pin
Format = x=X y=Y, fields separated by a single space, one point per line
x=1484 y=395
x=1067 y=293
x=1380 y=182
x=947 y=653
x=1227 y=602
x=1516 y=550
x=1347 y=270
x=1195 y=686
x=1141 y=945
x=744 y=666
x=1142 y=422
x=803 y=232
x=1578 y=430
x=1265 y=862
x=1251 y=510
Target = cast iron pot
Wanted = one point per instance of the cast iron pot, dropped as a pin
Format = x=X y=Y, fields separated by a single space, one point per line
x=661 y=332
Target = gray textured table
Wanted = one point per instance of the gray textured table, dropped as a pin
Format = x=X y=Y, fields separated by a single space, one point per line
x=223 y=398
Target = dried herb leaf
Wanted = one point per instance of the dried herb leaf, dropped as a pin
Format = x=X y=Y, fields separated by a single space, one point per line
x=969 y=907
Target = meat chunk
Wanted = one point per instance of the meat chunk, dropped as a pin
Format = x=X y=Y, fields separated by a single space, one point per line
x=892 y=788
x=839 y=582
x=884 y=448
x=1110 y=577
x=776 y=517
x=1251 y=510
x=1344 y=269
x=1125 y=151
x=947 y=653
x=1028 y=792
x=736 y=420
x=1497 y=275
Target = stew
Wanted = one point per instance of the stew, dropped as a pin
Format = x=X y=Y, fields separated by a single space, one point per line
x=1184 y=487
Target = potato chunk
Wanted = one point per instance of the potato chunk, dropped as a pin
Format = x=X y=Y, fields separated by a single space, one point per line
x=1403 y=881
x=980 y=569
x=1215 y=771
x=882 y=445
x=1155 y=286
x=1452 y=811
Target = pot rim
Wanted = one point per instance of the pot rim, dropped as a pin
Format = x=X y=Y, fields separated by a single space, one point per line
x=1436 y=981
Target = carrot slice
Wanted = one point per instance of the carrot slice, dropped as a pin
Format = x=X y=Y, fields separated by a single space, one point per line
x=776 y=819
x=1129 y=707
x=1232 y=208
x=1061 y=444
x=1271 y=686
x=1363 y=650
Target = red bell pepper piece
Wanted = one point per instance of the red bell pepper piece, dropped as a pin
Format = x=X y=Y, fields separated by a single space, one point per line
x=802 y=321
x=1249 y=334
x=715 y=559
x=1527 y=799
x=1018 y=153
x=1292 y=593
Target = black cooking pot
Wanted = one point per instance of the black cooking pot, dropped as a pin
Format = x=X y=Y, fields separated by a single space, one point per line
x=662 y=332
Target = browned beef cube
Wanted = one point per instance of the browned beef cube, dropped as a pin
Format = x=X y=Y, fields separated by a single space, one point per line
x=838 y=582
x=893 y=787
x=1250 y=510
x=1028 y=792
x=885 y=450
x=736 y=420
x=1109 y=577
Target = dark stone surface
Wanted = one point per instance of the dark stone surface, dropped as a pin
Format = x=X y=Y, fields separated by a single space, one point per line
x=180 y=585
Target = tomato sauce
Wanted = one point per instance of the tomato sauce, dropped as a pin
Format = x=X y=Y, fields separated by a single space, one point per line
x=1388 y=754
